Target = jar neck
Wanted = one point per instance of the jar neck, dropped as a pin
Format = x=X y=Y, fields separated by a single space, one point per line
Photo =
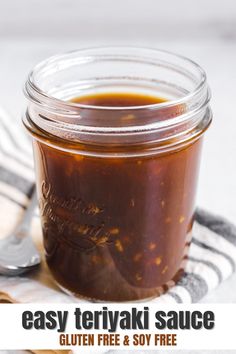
x=181 y=119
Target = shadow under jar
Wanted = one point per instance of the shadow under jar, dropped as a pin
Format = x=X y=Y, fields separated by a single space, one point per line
x=117 y=136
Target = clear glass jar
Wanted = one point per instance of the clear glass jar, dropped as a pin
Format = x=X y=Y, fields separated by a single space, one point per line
x=116 y=185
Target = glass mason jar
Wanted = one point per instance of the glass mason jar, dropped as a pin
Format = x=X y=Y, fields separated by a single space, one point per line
x=116 y=185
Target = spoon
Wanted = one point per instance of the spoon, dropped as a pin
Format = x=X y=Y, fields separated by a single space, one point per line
x=18 y=253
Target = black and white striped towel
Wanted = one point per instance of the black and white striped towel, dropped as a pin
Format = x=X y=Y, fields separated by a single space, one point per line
x=212 y=256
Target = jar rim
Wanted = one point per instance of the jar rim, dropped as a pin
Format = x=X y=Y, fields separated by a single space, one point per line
x=171 y=123
x=34 y=92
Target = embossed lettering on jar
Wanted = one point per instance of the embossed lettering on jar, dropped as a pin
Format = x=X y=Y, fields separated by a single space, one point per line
x=117 y=135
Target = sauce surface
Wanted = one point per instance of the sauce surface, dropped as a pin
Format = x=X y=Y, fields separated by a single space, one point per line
x=118 y=99
x=116 y=229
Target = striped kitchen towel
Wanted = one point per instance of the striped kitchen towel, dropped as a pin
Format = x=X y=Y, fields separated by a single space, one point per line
x=212 y=256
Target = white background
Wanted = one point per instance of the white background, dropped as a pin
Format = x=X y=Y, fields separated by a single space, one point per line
x=221 y=336
x=204 y=30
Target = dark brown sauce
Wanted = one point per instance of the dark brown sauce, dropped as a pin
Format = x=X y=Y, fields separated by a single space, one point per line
x=116 y=229
x=118 y=99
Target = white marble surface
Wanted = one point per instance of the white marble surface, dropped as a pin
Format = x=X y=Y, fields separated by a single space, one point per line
x=204 y=31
